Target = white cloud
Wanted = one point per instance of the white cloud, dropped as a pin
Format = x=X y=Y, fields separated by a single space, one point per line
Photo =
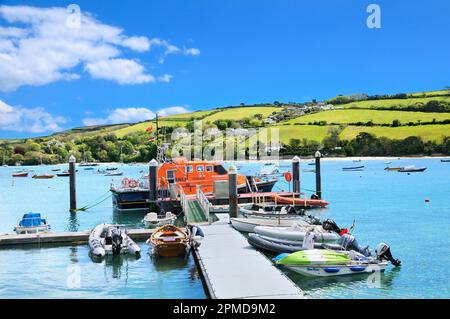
x=34 y=120
x=122 y=71
x=191 y=51
x=132 y=115
x=165 y=78
x=40 y=47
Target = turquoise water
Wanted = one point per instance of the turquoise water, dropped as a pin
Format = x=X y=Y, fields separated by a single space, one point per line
x=387 y=206
x=68 y=271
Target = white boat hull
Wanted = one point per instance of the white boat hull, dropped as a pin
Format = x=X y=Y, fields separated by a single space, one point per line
x=31 y=230
x=340 y=270
x=248 y=224
x=296 y=235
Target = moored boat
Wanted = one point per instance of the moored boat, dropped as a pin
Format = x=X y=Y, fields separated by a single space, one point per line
x=392 y=168
x=169 y=241
x=248 y=224
x=107 y=239
x=446 y=160
x=412 y=169
x=43 y=176
x=152 y=220
x=113 y=173
x=296 y=233
x=353 y=168
x=297 y=201
x=63 y=174
x=20 y=174
x=32 y=223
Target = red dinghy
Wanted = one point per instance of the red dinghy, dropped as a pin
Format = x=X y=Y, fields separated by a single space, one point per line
x=300 y=201
x=20 y=174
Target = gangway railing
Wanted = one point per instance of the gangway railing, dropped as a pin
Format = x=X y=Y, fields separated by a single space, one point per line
x=205 y=204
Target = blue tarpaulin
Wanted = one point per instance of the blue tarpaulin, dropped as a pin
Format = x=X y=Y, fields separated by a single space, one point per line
x=31 y=220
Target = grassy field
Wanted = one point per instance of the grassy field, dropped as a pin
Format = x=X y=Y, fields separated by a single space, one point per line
x=428 y=93
x=141 y=127
x=310 y=132
x=393 y=102
x=188 y=116
x=239 y=113
x=376 y=116
x=426 y=132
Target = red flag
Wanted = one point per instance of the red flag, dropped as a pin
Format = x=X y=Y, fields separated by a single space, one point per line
x=149 y=129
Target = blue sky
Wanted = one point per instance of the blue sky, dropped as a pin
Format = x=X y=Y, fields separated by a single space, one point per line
x=227 y=52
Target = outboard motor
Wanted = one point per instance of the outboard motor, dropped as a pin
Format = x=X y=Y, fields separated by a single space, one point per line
x=116 y=236
x=384 y=252
x=330 y=225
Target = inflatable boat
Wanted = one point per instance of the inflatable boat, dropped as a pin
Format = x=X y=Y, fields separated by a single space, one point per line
x=275 y=246
x=305 y=202
x=106 y=239
x=248 y=224
x=297 y=233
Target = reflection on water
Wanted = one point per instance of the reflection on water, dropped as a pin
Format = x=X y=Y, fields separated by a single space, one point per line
x=73 y=223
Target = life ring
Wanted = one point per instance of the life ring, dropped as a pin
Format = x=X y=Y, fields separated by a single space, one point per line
x=125 y=182
x=134 y=183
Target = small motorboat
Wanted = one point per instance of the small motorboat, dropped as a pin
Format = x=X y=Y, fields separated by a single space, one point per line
x=446 y=160
x=20 y=174
x=353 y=168
x=387 y=163
x=106 y=239
x=43 y=176
x=412 y=169
x=325 y=262
x=152 y=220
x=111 y=168
x=113 y=173
x=307 y=170
x=32 y=223
x=392 y=168
x=169 y=241
x=56 y=169
x=248 y=225
x=63 y=174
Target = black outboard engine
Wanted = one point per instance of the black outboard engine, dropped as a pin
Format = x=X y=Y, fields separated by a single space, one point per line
x=116 y=236
x=330 y=225
x=314 y=196
x=384 y=252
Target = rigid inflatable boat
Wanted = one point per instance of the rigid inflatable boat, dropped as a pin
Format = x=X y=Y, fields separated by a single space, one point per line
x=110 y=239
x=297 y=233
x=248 y=224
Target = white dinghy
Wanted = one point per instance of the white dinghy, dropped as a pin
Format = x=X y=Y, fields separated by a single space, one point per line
x=108 y=239
x=152 y=220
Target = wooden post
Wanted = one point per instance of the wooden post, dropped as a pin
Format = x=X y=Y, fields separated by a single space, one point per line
x=318 y=177
x=296 y=175
x=72 y=184
x=153 y=175
x=232 y=188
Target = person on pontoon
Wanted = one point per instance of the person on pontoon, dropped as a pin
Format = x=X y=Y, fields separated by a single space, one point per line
x=195 y=234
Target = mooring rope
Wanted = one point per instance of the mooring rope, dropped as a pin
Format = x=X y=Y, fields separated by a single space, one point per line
x=95 y=203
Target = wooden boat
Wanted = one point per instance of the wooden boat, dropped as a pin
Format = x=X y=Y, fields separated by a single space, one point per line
x=353 y=168
x=20 y=174
x=392 y=168
x=43 y=176
x=169 y=241
x=412 y=169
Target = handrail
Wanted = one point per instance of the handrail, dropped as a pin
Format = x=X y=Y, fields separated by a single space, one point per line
x=204 y=202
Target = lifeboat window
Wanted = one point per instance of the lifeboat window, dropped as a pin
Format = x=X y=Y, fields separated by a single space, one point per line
x=209 y=168
x=200 y=168
x=189 y=169
x=170 y=176
x=219 y=169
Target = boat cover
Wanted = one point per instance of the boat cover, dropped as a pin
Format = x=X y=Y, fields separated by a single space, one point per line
x=31 y=220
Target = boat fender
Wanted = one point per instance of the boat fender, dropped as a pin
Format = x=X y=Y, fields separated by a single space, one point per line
x=357 y=268
x=331 y=270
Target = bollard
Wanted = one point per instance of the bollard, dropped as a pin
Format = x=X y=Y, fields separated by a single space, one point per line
x=72 y=184
x=318 y=177
x=232 y=188
x=153 y=176
x=296 y=174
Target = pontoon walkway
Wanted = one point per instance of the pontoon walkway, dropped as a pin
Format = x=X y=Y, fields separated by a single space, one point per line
x=231 y=268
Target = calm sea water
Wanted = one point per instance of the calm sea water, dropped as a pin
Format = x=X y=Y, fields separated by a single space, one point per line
x=387 y=207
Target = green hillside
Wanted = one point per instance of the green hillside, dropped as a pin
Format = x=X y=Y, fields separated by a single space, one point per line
x=390 y=103
x=364 y=116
